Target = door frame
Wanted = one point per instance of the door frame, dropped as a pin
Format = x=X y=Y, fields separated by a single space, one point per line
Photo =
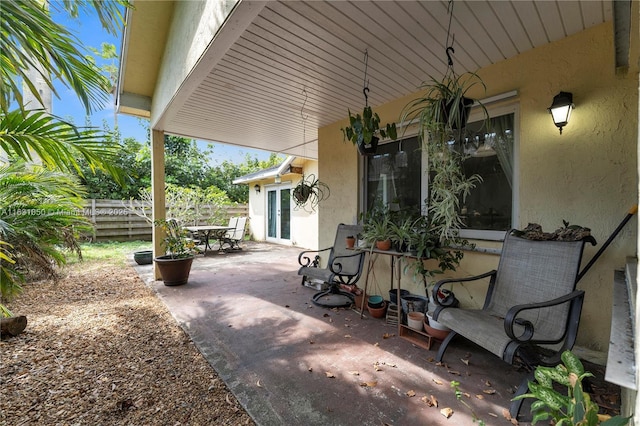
x=278 y=239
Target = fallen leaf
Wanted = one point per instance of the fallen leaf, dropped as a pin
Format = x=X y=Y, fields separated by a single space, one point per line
x=447 y=412
x=376 y=344
x=388 y=335
x=377 y=367
x=465 y=361
x=368 y=384
x=431 y=359
x=457 y=373
x=390 y=364
x=514 y=422
x=487 y=383
x=347 y=336
x=489 y=391
x=329 y=374
x=311 y=342
x=480 y=396
x=506 y=414
x=258 y=384
x=310 y=369
x=437 y=382
x=355 y=373
x=466 y=394
x=326 y=315
x=411 y=393
x=493 y=415
x=431 y=401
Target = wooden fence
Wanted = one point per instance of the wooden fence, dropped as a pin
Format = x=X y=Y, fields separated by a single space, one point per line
x=113 y=220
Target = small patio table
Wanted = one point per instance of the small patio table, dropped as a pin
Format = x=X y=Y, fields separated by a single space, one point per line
x=215 y=231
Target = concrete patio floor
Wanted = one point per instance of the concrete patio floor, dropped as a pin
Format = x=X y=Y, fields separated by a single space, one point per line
x=256 y=325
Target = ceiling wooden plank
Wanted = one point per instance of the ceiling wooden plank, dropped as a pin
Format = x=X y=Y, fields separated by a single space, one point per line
x=490 y=24
x=571 y=15
x=551 y=19
x=514 y=29
x=529 y=16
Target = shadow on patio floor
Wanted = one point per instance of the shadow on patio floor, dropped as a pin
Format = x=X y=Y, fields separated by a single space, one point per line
x=256 y=325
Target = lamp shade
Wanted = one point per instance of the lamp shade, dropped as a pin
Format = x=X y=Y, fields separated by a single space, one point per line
x=561 y=108
x=257 y=188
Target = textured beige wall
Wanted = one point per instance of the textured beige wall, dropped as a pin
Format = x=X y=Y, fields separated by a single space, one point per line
x=587 y=175
x=304 y=223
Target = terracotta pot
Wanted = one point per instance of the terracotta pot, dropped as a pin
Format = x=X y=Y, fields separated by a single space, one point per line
x=383 y=245
x=351 y=241
x=378 y=312
x=174 y=271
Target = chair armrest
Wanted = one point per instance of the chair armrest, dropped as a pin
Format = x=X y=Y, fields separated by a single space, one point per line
x=336 y=266
x=511 y=319
x=436 y=288
x=305 y=260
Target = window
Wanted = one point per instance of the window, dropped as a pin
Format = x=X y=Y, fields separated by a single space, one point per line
x=396 y=178
x=489 y=206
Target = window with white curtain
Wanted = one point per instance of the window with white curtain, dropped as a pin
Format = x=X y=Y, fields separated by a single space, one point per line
x=396 y=176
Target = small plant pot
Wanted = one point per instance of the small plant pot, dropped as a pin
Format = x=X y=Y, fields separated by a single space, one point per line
x=415 y=320
x=383 y=245
x=378 y=312
x=435 y=332
x=143 y=257
x=351 y=242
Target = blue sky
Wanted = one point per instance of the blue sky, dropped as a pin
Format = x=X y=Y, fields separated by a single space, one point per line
x=88 y=29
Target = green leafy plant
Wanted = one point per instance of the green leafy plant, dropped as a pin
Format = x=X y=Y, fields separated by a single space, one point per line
x=442 y=113
x=576 y=407
x=310 y=192
x=377 y=226
x=365 y=129
x=177 y=243
x=456 y=387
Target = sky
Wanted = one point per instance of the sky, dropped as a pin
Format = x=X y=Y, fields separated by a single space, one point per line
x=88 y=29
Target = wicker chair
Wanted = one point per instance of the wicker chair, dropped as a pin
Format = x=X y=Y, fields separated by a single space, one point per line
x=531 y=310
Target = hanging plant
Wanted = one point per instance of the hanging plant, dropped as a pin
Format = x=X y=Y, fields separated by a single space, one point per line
x=309 y=192
x=364 y=130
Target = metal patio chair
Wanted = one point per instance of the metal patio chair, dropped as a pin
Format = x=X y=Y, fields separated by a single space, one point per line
x=233 y=237
x=344 y=266
x=532 y=309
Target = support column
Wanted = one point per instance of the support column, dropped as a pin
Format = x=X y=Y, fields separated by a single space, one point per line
x=157 y=194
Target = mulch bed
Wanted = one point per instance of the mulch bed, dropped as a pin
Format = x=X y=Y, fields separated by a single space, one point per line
x=101 y=349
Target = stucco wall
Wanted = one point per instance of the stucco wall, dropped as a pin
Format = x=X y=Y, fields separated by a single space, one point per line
x=304 y=223
x=587 y=175
x=193 y=25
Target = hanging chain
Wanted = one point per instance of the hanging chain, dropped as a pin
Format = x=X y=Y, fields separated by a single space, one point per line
x=365 y=82
x=304 y=119
x=449 y=50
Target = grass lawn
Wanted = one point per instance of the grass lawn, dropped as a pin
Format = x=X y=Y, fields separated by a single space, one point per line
x=115 y=252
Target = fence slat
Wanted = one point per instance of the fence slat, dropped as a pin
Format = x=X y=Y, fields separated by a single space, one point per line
x=113 y=221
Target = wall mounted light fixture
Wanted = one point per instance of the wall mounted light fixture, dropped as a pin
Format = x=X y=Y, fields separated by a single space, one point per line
x=561 y=108
x=257 y=188
x=278 y=179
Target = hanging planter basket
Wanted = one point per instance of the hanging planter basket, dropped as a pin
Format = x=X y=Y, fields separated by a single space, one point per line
x=369 y=149
x=456 y=112
x=309 y=193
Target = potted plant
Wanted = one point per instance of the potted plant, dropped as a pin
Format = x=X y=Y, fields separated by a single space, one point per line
x=175 y=264
x=377 y=230
x=310 y=191
x=442 y=114
x=364 y=131
x=350 y=241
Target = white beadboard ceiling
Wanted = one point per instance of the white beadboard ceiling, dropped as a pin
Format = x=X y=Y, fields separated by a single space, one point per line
x=312 y=52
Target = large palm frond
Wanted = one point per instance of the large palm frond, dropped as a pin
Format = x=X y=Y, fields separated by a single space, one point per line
x=30 y=39
x=57 y=143
x=40 y=215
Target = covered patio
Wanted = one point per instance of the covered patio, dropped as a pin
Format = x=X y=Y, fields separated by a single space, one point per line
x=291 y=362
x=282 y=76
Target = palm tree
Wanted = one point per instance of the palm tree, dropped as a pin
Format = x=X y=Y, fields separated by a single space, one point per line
x=30 y=39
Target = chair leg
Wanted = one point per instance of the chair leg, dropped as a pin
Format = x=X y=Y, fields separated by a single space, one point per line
x=444 y=345
x=514 y=409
